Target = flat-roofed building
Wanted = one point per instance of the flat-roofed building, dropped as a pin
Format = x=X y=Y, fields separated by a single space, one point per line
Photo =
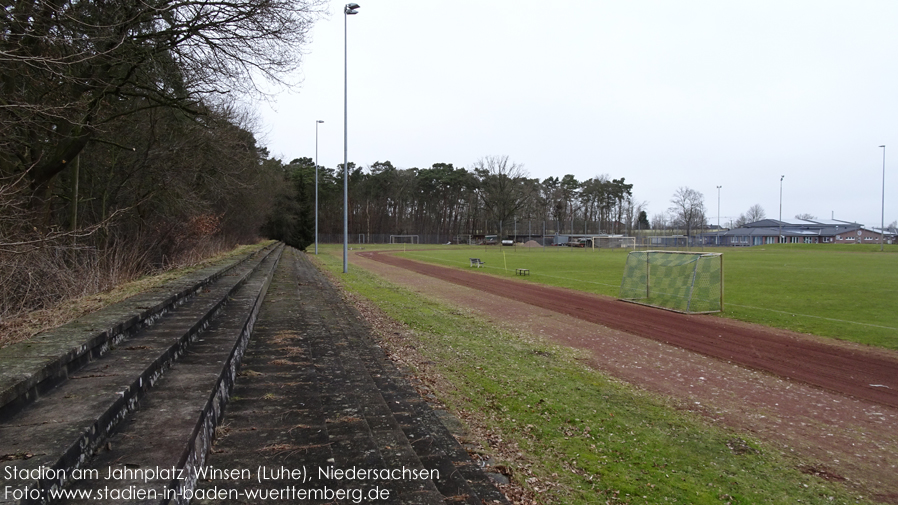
x=798 y=231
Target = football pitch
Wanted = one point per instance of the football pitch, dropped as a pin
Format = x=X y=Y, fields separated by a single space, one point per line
x=845 y=292
x=577 y=435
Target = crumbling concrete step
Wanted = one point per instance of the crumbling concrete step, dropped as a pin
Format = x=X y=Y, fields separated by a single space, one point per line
x=65 y=426
x=160 y=448
x=28 y=369
x=306 y=401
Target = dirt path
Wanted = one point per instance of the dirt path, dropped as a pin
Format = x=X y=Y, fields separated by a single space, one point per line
x=847 y=431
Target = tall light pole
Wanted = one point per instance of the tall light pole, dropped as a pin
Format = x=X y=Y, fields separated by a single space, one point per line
x=882 y=222
x=349 y=10
x=780 y=239
x=316 y=184
x=718 y=214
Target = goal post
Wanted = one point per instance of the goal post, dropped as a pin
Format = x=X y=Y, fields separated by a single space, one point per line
x=606 y=242
x=688 y=282
x=404 y=239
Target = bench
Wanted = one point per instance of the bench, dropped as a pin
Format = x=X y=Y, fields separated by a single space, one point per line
x=522 y=271
x=476 y=262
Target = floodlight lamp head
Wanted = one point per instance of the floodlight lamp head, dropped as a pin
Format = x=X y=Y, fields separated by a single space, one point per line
x=320 y=121
x=351 y=8
x=881 y=146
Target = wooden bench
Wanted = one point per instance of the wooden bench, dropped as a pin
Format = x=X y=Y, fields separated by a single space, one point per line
x=522 y=271
x=476 y=262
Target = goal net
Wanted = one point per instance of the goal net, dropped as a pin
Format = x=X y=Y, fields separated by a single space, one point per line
x=665 y=241
x=689 y=282
x=613 y=242
x=404 y=239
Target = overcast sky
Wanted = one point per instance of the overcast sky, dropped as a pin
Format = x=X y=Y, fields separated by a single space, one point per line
x=666 y=94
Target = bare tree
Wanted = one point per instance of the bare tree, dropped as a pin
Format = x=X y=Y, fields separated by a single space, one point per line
x=805 y=216
x=755 y=213
x=503 y=188
x=688 y=208
x=72 y=68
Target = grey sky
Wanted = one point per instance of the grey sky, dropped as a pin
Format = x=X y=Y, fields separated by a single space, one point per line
x=663 y=93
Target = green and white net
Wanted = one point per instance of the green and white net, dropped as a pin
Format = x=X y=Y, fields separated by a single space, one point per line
x=683 y=282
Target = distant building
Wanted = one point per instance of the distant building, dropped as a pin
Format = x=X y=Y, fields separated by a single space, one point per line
x=798 y=231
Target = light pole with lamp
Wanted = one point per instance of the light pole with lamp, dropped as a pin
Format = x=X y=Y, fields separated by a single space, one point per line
x=316 y=184
x=780 y=239
x=718 y=214
x=882 y=222
x=349 y=10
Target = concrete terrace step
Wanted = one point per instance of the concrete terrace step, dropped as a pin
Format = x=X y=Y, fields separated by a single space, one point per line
x=63 y=426
x=311 y=397
x=175 y=423
x=27 y=369
x=306 y=389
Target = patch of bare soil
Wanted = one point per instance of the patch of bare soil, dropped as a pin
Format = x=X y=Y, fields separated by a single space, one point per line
x=828 y=429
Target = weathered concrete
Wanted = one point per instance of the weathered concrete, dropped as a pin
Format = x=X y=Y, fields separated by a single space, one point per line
x=62 y=428
x=314 y=393
x=27 y=369
x=173 y=426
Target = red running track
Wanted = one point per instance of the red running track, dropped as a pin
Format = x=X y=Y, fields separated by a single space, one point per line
x=869 y=374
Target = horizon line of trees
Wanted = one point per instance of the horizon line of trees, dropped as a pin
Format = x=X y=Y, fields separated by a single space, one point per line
x=447 y=202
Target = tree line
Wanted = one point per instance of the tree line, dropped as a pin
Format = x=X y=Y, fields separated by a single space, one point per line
x=448 y=203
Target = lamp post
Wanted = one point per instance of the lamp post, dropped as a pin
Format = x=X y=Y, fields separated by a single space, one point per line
x=882 y=222
x=349 y=10
x=718 y=214
x=316 y=184
x=780 y=239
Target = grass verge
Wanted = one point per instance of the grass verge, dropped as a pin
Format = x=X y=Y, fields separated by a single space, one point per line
x=575 y=435
x=27 y=325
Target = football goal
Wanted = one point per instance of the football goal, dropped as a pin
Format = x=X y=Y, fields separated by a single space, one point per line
x=606 y=242
x=689 y=282
x=673 y=241
x=404 y=239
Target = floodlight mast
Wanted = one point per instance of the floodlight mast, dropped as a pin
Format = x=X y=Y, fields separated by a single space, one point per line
x=317 y=121
x=718 y=214
x=882 y=222
x=350 y=9
x=780 y=240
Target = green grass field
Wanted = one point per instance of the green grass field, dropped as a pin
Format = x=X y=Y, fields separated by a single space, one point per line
x=845 y=292
x=573 y=435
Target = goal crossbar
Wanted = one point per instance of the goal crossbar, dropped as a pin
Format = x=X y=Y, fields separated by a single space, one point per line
x=688 y=282
x=606 y=242
x=404 y=239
